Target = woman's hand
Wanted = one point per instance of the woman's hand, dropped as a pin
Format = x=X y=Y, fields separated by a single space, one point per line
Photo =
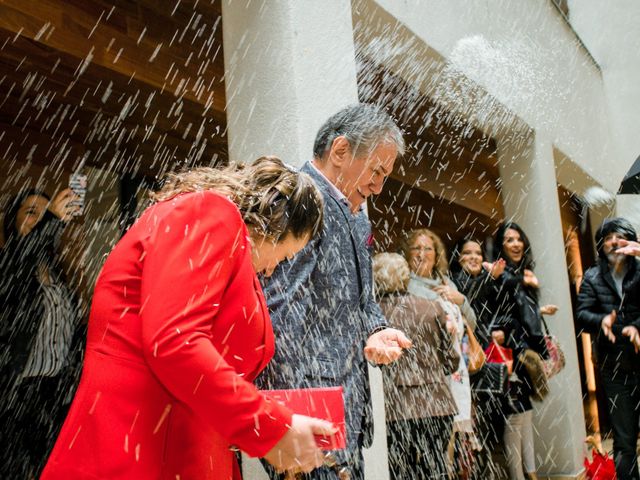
x=530 y=279
x=549 y=309
x=496 y=268
x=297 y=450
x=450 y=294
x=62 y=207
x=634 y=337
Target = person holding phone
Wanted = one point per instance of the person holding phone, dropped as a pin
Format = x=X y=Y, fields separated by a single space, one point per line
x=40 y=330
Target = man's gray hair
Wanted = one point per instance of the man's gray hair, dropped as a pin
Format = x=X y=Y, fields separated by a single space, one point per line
x=365 y=126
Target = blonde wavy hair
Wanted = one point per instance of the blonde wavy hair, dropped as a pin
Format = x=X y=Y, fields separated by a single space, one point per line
x=274 y=199
x=390 y=273
x=441 y=265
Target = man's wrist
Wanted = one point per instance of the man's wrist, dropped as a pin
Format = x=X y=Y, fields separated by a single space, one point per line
x=378 y=329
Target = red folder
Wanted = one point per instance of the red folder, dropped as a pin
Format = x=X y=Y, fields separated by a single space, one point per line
x=325 y=403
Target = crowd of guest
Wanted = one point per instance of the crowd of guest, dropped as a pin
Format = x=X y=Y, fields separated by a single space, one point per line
x=449 y=307
x=242 y=279
x=480 y=308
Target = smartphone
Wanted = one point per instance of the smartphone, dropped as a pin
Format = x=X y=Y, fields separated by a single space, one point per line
x=78 y=184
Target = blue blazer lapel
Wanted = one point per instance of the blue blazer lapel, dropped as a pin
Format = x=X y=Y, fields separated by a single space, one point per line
x=359 y=250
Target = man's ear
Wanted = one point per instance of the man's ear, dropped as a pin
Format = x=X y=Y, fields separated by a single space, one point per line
x=340 y=152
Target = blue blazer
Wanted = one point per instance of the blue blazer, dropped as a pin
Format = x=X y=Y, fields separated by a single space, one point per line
x=322 y=309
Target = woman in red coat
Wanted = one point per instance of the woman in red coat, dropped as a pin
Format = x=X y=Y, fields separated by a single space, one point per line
x=179 y=329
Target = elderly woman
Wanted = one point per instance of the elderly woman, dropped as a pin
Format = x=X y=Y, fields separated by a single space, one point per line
x=418 y=399
x=427 y=259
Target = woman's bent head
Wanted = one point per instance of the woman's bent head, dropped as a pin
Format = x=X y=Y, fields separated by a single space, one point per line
x=282 y=207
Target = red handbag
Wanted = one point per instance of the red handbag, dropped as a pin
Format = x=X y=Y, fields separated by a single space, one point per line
x=601 y=466
x=499 y=354
x=555 y=360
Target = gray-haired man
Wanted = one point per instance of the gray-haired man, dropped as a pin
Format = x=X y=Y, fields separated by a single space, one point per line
x=326 y=321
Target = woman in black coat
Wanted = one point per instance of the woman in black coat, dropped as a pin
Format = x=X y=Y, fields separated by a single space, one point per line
x=519 y=315
x=480 y=282
x=40 y=331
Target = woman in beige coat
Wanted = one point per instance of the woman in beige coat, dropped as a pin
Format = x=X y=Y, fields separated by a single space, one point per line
x=418 y=401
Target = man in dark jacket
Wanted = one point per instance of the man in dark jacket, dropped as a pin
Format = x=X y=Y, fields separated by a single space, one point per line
x=609 y=309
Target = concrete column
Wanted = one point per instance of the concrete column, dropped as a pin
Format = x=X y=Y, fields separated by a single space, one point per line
x=289 y=65
x=530 y=198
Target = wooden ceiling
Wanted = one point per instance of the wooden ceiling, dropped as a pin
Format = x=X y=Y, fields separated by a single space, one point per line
x=133 y=86
x=447 y=181
x=137 y=87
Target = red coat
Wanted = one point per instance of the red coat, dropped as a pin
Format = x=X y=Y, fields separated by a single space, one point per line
x=178 y=329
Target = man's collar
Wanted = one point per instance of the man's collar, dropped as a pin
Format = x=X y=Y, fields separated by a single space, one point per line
x=332 y=189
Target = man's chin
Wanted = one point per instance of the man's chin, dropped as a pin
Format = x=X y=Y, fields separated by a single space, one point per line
x=615 y=258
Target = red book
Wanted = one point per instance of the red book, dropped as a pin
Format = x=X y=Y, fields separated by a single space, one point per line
x=325 y=403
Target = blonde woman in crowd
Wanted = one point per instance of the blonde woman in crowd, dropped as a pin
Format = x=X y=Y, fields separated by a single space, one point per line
x=418 y=400
x=427 y=258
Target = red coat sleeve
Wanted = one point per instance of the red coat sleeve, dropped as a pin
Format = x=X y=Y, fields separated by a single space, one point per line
x=192 y=256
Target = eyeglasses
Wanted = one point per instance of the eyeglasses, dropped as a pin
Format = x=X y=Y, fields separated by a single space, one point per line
x=421 y=249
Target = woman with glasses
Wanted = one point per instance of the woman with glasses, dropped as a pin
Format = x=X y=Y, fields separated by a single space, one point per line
x=427 y=258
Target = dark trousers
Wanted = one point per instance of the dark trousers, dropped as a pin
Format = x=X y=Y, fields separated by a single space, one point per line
x=418 y=448
x=489 y=427
x=622 y=390
x=31 y=420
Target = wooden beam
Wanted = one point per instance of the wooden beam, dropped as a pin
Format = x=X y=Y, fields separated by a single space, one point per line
x=107 y=113
x=147 y=44
x=400 y=208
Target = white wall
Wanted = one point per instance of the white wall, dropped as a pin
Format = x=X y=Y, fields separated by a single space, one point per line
x=284 y=74
x=611 y=31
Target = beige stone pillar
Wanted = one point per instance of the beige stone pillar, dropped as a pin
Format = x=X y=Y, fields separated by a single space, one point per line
x=530 y=198
x=289 y=65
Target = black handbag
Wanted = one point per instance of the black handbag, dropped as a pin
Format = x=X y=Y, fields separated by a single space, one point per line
x=492 y=378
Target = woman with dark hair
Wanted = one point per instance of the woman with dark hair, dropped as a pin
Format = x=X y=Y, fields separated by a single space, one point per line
x=476 y=280
x=521 y=317
x=480 y=282
x=39 y=330
x=179 y=329
x=518 y=299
